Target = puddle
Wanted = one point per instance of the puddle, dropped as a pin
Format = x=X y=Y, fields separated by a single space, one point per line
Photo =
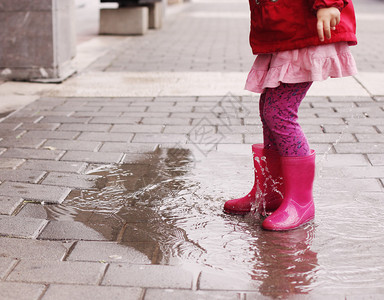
x=171 y=202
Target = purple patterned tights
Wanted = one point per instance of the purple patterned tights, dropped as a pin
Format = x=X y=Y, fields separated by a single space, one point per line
x=278 y=112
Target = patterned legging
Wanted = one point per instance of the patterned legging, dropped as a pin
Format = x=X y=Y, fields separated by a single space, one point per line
x=278 y=111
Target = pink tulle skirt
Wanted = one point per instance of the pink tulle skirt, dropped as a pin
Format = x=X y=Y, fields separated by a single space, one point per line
x=314 y=63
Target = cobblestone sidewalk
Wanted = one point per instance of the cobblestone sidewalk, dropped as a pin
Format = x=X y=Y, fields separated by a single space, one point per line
x=48 y=147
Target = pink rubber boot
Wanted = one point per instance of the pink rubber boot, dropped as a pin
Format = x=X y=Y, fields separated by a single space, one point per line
x=297 y=207
x=268 y=183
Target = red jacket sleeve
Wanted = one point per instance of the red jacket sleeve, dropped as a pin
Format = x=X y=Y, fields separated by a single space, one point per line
x=340 y=4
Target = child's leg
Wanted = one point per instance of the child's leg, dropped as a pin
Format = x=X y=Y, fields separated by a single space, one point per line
x=269 y=142
x=279 y=113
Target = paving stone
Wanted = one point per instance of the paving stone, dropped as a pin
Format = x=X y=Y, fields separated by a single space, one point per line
x=156 y=276
x=71 y=108
x=221 y=281
x=112 y=103
x=370 y=138
x=168 y=108
x=97 y=114
x=39 y=126
x=154 y=294
x=50 y=101
x=94 y=157
x=376 y=159
x=9 y=204
x=312 y=114
x=137 y=158
x=137 y=109
x=148 y=114
x=221 y=121
x=13 y=119
x=333 y=105
x=109 y=252
x=249 y=129
x=9 y=126
x=360 y=148
x=256 y=121
x=349 y=128
x=76 y=292
x=172 y=129
x=119 y=120
x=51 y=165
x=50 y=113
x=37 y=192
x=21 y=176
x=159 y=138
x=176 y=99
x=71 y=180
x=137 y=128
x=331 y=138
x=150 y=249
x=6 y=265
x=72 y=145
x=340 y=160
x=211 y=98
x=45 y=134
x=70 y=230
x=350 y=99
x=355 y=172
x=22 y=142
x=71 y=120
x=201 y=115
x=128 y=147
x=309 y=129
x=138 y=100
x=321 y=121
x=13 y=226
x=365 y=121
x=33 y=249
x=368 y=111
x=10 y=163
x=349 y=184
x=57 y=272
x=105 y=136
x=252 y=138
x=228 y=138
x=32 y=153
x=341 y=115
x=21 y=291
x=88 y=99
x=33 y=210
x=208 y=104
x=205 y=108
x=84 y=127
x=166 y=121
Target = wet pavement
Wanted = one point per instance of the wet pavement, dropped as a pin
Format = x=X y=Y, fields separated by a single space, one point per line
x=121 y=197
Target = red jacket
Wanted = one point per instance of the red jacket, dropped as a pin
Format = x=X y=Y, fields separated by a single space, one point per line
x=278 y=25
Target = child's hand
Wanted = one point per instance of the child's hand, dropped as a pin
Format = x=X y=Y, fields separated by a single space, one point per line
x=327 y=19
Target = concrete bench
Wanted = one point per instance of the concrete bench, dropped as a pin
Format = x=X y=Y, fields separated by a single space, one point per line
x=132 y=17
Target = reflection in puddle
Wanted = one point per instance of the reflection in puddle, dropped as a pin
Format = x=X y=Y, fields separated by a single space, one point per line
x=168 y=205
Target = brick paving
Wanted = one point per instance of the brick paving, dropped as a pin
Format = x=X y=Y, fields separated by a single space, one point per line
x=48 y=148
